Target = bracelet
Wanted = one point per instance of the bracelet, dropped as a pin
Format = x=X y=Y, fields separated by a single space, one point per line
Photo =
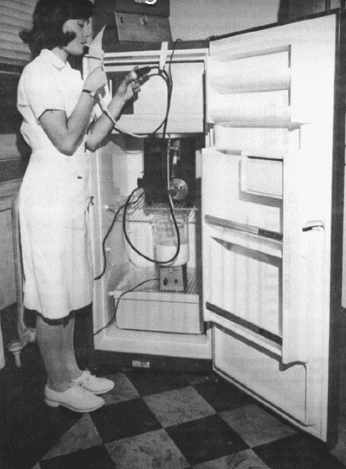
x=91 y=93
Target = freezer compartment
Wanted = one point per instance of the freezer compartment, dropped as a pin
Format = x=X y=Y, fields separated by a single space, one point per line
x=147 y=114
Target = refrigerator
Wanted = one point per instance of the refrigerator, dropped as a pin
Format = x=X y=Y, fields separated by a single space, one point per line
x=255 y=135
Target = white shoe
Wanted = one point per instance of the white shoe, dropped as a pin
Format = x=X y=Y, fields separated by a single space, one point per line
x=93 y=384
x=74 y=398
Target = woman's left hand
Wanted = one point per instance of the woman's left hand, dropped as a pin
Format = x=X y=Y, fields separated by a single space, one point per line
x=129 y=87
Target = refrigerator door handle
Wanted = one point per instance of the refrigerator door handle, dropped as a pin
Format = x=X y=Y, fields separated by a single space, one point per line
x=313 y=225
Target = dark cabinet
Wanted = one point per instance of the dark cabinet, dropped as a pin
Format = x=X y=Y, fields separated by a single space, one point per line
x=294 y=9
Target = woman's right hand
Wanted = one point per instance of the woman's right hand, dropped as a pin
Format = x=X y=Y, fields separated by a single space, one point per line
x=96 y=80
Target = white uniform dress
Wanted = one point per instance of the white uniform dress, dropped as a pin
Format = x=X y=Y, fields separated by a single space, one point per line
x=54 y=196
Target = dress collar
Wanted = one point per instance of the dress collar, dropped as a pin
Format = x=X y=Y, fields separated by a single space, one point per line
x=48 y=56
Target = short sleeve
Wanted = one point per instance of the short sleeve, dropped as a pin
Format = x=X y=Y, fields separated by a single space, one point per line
x=41 y=89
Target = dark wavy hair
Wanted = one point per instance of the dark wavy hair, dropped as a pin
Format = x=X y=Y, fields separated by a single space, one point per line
x=48 y=19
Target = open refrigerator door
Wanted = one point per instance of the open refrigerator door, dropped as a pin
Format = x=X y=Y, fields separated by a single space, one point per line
x=270 y=209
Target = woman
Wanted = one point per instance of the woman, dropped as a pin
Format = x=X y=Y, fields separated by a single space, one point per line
x=57 y=109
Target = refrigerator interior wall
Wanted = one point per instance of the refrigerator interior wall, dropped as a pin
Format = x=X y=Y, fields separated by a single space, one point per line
x=266 y=214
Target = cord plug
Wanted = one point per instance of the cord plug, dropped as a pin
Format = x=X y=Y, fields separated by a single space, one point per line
x=140 y=72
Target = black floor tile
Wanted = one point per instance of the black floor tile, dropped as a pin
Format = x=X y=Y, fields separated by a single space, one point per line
x=124 y=419
x=205 y=439
x=222 y=395
x=27 y=444
x=152 y=382
x=297 y=452
x=93 y=458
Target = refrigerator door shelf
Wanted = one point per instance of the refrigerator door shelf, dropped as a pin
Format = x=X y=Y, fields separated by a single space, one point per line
x=270 y=182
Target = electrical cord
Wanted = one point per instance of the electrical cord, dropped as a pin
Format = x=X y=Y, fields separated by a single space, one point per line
x=163 y=74
x=109 y=231
x=113 y=318
x=119 y=128
x=167 y=77
x=169 y=82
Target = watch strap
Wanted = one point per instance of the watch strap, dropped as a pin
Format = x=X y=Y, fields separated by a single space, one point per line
x=91 y=93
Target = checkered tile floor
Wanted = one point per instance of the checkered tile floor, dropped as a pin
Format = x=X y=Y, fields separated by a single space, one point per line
x=152 y=419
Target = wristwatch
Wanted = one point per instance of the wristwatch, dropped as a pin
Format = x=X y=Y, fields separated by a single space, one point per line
x=92 y=93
